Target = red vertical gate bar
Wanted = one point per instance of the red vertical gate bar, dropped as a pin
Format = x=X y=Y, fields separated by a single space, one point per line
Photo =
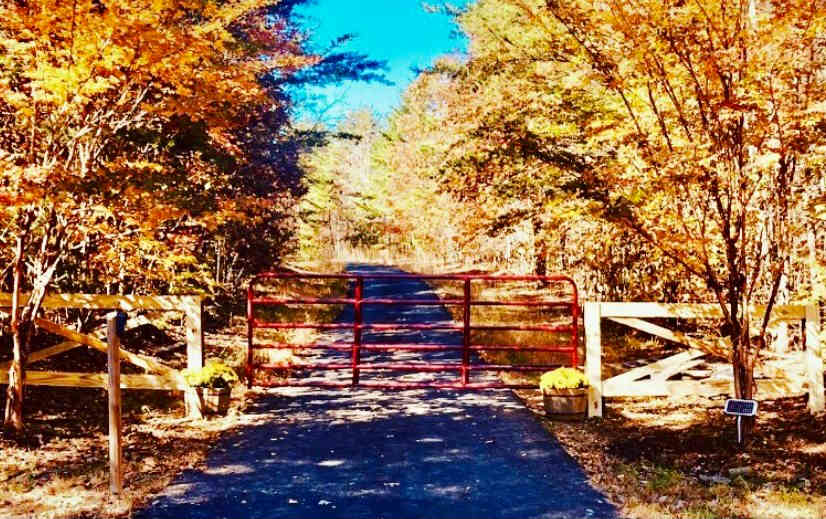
x=249 y=369
x=357 y=320
x=466 y=335
x=574 y=335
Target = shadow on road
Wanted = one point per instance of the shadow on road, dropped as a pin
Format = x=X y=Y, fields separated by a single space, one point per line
x=357 y=453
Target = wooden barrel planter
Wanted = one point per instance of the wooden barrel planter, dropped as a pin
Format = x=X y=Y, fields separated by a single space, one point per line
x=215 y=401
x=566 y=404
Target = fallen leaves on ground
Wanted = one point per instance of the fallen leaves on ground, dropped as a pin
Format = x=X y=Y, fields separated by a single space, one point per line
x=60 y=469
x=653 y=466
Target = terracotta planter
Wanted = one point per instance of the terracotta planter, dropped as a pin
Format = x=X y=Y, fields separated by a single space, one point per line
x=215 y=401
x=566 y=404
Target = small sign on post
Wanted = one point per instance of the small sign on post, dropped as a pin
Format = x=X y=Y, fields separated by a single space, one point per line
x=116 y=322
x=740 y=408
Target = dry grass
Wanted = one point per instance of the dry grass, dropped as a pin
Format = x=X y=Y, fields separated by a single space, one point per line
x=673 y=459
x=496 y=315
x=59 y=468
x=294 y=289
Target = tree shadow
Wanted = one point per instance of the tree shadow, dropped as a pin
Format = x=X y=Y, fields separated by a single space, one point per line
x=363 y=453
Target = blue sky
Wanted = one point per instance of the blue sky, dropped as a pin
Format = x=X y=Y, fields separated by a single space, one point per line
x=400 y=32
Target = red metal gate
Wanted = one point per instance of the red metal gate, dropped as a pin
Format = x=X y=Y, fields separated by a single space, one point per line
x=467 y=360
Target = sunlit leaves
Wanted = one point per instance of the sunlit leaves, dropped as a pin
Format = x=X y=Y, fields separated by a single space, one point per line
x=124 y=118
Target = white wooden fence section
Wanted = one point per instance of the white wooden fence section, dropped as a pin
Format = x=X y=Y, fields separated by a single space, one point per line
x=158 y=376
x=656 y=375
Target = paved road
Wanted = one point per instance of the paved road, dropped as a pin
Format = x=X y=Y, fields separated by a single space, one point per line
x=362 y=454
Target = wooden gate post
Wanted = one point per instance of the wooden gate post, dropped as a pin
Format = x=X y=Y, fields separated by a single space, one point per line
x=115 y=431
x=194 y=317
x=814 y=360
x=593 y=358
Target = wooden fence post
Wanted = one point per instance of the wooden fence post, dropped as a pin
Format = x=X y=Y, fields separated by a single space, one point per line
x=593 y=358
x=113 y=322
x=194 y=313
x=814 y=360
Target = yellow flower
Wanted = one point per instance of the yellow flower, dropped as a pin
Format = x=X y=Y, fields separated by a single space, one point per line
x=563 y=378
x=214 y=375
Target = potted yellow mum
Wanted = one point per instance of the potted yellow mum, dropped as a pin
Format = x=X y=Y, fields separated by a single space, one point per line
x=564 y=392
x=214 y=385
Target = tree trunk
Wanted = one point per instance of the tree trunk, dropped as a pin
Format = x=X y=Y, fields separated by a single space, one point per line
x=563 y=259
x=13 y=418
x=780 y=336
x=14 y=394
x=811 y=242
x=540 y=249
x=23 y=313
x=742 y=362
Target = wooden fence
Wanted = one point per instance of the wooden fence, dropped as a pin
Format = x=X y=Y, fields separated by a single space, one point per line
x=653 y=379
x=157 y=376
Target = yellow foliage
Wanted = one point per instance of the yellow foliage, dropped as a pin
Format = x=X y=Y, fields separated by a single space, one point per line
x=215 y=374
x=563 y=378
x=112 y=115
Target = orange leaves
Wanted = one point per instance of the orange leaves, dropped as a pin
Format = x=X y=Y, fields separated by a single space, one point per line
x=93 y=70
x=88 y=51
x=124 y=116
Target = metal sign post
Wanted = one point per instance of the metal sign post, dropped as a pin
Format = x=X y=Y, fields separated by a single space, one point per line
x=740 y=408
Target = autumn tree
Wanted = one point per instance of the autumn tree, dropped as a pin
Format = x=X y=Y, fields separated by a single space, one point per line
x=687 y=136
x=695 y=127
x=338 y=212
x=715 y=136
x=118 y=136
x=375 y=191
x=428 y=225
x=499 y=132
x=274 y=144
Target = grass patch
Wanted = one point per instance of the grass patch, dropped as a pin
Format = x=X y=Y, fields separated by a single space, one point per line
x=653 y=468
x=298 y=313
x=60 y=469
x=665 y=478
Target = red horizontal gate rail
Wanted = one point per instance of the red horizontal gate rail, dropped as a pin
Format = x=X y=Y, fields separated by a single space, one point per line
x=358 y=326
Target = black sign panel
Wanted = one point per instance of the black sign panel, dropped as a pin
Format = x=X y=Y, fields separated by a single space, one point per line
x=738 y=407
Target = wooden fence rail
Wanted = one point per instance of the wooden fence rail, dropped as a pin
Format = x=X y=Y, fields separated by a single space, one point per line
x=159 y=376
x=653 y=379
